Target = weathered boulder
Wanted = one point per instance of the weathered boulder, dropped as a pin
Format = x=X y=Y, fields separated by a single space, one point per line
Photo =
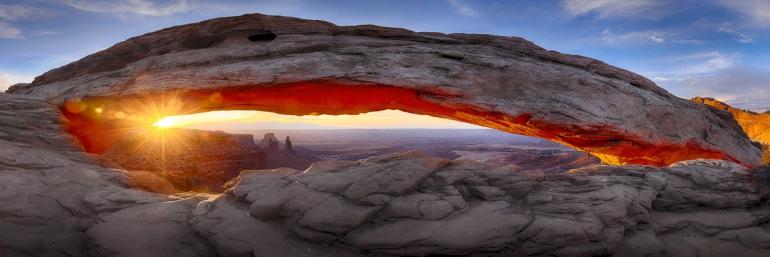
x=295 y=66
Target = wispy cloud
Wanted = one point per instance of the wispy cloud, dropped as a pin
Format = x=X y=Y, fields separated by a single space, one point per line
x=758 y=11
x=18 y=12
x=610 y=8
x=716 y=74
x=738 y=36
x=647 y=36
x=136 y=7
x=462 y=8
x=44 y=33
x=741 y=86
x=632 y=37
x=9 y=32
x=707 y=62
x=695 y=65
x=9 y=13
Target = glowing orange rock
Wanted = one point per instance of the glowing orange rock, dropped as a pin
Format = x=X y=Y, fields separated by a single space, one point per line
x=294 y=66
x=756 y=125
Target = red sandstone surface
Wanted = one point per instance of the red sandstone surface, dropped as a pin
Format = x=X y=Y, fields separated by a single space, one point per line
x=98 y=131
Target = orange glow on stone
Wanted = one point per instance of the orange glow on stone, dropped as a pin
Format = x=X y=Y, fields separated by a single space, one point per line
x=97 y=134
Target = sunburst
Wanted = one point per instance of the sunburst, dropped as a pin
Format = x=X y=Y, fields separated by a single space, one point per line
x=167 y=122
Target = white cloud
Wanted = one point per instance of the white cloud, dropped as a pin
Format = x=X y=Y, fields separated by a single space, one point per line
x=694 y=65
x=739 y=36
x=708 y=62
x=462 y=8
x=45 y=33
x=758 y=11
x=718 y=75
x=9 y=78
x=647 y=36
x=609 y=8
x=18 y=12
x=741 y=86
x=137 y=7
x=9 y=32
x=632 y=37
x=688 y=41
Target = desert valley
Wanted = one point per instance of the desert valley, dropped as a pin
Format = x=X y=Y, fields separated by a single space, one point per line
x=205 y=161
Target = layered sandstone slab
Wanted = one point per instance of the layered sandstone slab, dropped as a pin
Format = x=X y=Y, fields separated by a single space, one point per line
x=412 y=205
x=296 y=66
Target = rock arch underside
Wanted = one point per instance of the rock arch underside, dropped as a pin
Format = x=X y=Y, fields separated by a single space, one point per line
x=59 y=200
x=294 y=66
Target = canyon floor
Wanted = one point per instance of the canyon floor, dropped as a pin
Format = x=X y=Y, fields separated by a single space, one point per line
x=483 y=145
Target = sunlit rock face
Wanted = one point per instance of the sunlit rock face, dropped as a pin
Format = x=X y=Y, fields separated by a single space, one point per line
x=294 y=66
x=191 y=160
x=756 y=125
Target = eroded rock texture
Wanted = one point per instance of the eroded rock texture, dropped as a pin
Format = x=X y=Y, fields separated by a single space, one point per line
x=407 y=204
x=50 y=191
x=756 y=125
x=296 y=66
x=56 y=201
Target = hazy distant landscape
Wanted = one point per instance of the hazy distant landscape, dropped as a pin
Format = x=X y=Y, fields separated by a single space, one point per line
x=484 y=145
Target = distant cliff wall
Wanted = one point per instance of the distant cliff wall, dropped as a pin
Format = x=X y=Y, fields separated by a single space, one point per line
x=192 y=160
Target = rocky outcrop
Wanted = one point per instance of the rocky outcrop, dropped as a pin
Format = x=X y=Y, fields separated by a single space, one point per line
x=191 y=160
x=288 y=147
x=55 y=200
x=277 y=156
x=412 y=205
x=50 y=191
x=269 y=143
x=304 y=67
x=756 y=125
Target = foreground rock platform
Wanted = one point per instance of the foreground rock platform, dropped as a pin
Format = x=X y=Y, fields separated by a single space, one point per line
x=56 y=200
x=295 y=66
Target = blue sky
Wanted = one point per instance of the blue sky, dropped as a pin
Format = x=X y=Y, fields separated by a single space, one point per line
x=718 y=48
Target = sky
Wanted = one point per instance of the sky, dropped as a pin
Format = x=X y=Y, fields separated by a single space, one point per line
x=715 y=48
x=249 y=120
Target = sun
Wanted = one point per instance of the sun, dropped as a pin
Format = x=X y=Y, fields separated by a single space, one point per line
x=166 y=122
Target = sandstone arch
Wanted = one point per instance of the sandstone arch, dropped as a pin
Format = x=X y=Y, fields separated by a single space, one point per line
x=273 y=63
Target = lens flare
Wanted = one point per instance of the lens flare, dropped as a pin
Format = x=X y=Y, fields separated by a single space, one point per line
x=166 y=122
